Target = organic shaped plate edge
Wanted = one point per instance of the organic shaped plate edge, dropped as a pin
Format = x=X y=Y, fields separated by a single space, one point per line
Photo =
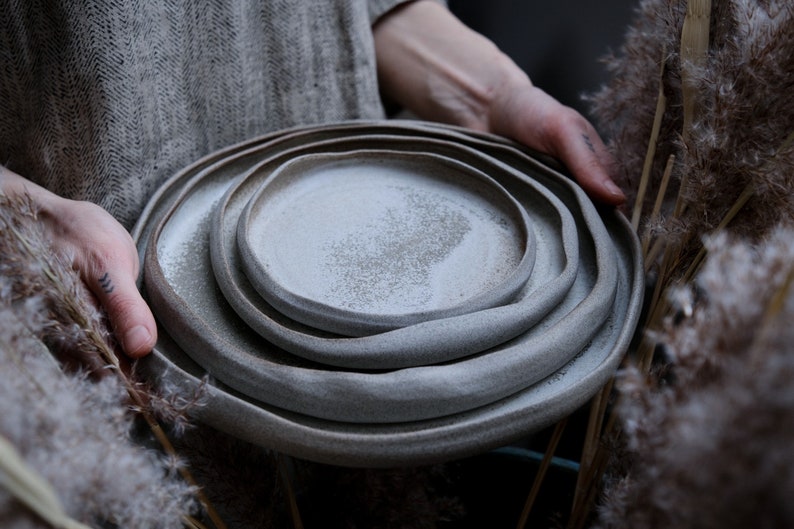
x=375 y=402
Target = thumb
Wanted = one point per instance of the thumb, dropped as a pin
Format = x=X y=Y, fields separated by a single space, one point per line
x=132 y=321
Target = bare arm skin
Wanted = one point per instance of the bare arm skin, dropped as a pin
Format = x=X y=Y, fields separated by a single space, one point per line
x=431 y=63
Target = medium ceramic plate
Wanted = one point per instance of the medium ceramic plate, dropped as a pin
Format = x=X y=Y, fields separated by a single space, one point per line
x=430 y=342
x=403 y=442
x=367 y=241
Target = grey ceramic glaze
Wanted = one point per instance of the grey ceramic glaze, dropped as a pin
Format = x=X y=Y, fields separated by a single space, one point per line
x=363 y=242
x=421 y=344
x=484 y=422
x=240 y=359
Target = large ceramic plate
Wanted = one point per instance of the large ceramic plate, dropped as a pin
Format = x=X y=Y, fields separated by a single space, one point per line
x=351 y=438
x=372 y=240
x=233 y=354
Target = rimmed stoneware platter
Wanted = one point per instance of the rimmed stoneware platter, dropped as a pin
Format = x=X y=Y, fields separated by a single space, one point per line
x=324 y=396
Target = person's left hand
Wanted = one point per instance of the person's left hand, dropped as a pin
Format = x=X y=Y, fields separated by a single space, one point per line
x=435 y=66
x=529 y=115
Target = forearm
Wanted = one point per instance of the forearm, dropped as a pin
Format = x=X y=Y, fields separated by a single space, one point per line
x=432 y=64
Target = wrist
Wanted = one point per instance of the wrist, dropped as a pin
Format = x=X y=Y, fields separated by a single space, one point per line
x=15 y=185
x=431 y=63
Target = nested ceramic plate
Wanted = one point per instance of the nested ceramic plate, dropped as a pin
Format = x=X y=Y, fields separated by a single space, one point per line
x=233 y=354
x=197 y=312
x=367 y=241
x=429 y=342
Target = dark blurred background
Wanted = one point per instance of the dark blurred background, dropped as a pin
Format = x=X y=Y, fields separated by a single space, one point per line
x=559 y=44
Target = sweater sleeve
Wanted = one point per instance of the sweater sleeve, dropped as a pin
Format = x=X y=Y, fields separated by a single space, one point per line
x=378 y=8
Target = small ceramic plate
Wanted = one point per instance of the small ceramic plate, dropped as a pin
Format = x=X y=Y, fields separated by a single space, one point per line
x=367 y=241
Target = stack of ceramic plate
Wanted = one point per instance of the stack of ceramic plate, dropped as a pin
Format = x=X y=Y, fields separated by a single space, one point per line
x=385 y=293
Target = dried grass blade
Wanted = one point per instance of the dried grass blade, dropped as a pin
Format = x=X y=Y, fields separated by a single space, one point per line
x=292 y=499
x=653 y=254
x=744 y=197
x=588 y=503
x=694 y=48
x=591 y=444
x=541 y=474
x=657 y=205
x=192 y=523
x=31 y=490
x=668 y=170
x=650 y=153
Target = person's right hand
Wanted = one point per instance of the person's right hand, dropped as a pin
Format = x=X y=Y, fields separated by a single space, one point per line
x=103 y=252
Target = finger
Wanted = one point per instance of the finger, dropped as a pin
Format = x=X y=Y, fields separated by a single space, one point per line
x=108 y=262
x=587 y=158
x=132 y=321
x=541 y=122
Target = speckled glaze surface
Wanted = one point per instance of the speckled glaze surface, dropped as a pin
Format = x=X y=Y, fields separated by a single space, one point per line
x=423 y=391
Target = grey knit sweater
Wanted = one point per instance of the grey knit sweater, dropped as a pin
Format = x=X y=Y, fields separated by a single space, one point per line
x=102 y=100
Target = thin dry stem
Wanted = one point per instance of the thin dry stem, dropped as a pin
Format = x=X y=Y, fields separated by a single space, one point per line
x=74 y=310
x=661 y=105
x=541 y=474
x=590 y=449
x=744 y=197
x=657 y=207
x=694 y=49
x=295 y=515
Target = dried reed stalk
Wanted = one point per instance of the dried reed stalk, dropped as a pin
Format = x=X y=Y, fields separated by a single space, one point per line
x=661 y=105
x=71 y=309
x=540 y=476
x=286 y=477
x=602 y=423
x=742 y=80
x=648 y=254
x=694 y=49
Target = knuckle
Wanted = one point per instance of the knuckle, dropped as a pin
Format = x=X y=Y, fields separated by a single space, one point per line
x=122 y=307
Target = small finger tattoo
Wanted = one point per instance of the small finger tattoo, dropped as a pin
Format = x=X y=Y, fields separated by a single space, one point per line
x=588 y=142
x=106 y=283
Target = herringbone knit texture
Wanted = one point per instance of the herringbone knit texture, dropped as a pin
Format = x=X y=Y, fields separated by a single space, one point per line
x=102 y=100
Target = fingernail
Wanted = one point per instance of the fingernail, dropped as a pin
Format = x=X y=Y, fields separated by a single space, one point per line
x=614 y=190
x=137 y=339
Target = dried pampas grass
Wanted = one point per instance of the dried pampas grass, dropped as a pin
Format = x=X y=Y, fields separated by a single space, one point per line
x=739 y=140
x=708 y=433
x=701 y=120
x=74 y=433
x=73 y=430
